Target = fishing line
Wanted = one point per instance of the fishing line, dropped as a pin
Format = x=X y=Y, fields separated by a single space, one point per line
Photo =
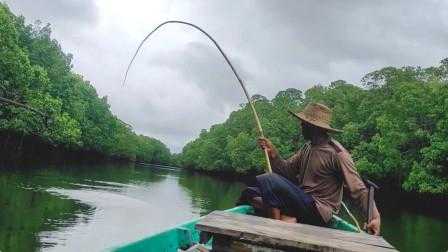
x=246 y=93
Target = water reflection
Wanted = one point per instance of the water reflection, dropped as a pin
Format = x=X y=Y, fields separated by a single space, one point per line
x=411 y=228
x=25 y=211
x=91 y=208
x=208 y=193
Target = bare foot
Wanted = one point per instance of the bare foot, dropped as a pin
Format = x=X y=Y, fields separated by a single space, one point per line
x=288 y=219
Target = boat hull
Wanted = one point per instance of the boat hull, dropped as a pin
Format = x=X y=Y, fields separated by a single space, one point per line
x=186 y=234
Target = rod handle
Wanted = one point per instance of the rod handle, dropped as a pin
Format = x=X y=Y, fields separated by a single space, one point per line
x=268 y=162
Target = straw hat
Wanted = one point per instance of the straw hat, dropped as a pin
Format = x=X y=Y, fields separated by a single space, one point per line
x=318 y=115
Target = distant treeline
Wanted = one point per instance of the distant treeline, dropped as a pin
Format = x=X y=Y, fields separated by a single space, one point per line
x=36 y=72
x=395 y=125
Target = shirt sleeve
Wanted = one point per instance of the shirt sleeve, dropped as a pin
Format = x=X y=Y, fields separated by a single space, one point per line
x=287 y=168
x=356 y=187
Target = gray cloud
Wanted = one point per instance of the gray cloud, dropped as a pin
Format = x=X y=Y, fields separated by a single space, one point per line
x=180 y=84
x=59 y=13
x=203 y=65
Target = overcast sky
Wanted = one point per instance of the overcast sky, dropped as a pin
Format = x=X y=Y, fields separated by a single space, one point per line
x=180 y=84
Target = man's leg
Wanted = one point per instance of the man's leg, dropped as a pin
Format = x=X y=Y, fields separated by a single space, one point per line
x=274 y=213
x=252 y=196
x=280 y=193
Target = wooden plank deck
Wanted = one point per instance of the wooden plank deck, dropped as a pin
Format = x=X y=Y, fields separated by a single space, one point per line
x=276 y=234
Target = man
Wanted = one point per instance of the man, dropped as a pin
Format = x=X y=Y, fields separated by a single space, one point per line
x=308 y=187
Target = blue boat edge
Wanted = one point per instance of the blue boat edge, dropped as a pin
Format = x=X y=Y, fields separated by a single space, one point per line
x=184 y=235
x=180 y=236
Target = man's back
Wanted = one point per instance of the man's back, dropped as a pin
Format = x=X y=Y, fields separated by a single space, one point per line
x=320 y=176
x=321 y=170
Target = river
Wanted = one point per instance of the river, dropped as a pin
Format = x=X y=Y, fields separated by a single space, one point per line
x=92 y=208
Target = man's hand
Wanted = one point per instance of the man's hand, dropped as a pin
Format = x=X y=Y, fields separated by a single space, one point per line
x=373 y=227
x=265 y=144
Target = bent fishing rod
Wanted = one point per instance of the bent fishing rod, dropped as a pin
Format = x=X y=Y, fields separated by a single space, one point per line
x=246 y=93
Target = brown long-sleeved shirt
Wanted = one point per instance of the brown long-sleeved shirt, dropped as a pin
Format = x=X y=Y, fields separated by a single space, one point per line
x=321 y=171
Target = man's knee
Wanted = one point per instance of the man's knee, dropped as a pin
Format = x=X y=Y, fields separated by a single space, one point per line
x=268 y=177
x=270 y=180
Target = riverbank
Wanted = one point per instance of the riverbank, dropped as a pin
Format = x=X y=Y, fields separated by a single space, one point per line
x=20 y=149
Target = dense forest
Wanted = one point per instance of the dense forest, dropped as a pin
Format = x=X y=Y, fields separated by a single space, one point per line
x=395 y=125
x=36 y=72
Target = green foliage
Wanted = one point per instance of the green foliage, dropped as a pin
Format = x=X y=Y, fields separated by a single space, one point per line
x=231 y=146
x=35 y=71
x=396 y=127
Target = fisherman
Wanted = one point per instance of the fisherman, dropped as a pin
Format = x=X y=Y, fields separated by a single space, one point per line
x=308 y=187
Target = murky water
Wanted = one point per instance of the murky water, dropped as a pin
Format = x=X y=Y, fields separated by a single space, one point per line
x=92 y=208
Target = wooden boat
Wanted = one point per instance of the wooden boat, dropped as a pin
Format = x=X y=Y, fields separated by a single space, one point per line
x=248 y=233
x=185 y=235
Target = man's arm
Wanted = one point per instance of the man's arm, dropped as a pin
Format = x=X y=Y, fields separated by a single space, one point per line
x=358 y=190
x=286 y=168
